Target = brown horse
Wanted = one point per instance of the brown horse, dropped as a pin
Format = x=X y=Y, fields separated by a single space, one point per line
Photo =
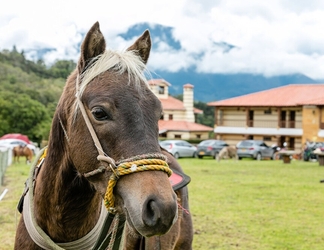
x=103 y=146
x=22 y=151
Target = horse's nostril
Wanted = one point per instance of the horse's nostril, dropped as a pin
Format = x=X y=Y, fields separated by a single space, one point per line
x=151 y=213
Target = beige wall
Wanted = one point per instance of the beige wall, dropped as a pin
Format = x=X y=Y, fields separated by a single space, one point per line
x=310 y=124
x=236 y=117
x=187 y=135
x=178 y=115
x=155 y=89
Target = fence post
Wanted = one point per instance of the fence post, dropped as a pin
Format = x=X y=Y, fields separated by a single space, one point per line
x=5 y=161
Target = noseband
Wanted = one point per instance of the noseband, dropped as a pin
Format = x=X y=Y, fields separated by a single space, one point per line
x=139 y=163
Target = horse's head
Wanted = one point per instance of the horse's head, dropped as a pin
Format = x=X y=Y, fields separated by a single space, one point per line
x=112 y=94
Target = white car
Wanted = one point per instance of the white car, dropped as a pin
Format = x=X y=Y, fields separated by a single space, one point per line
x=11 y=143
x=179 y=148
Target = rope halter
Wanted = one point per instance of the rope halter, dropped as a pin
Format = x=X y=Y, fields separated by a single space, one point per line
x=135 y=164
x=139 y=163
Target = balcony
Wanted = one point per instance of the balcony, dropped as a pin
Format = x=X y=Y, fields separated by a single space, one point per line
x=259 y=123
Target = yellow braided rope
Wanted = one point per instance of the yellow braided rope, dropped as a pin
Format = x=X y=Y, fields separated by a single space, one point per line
x=129 y=168
x=124 y=169
x=43 y=156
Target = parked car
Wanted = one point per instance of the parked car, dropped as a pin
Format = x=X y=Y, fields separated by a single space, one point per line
x=255 y=149
x=11 y=143
x=179 y=148
x=210 y=147
x=308 y=152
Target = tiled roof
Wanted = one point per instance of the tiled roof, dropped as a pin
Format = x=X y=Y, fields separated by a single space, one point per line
x=198 y=111
x=188 y=85
x=158 y=81
x=172 y=103
x=182 y=126
x=289 y=95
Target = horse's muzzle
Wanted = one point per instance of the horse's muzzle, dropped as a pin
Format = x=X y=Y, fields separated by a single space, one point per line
x=158 y=217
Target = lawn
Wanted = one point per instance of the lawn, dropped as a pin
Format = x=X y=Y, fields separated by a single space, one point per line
x=256 y=204
x=234 y=204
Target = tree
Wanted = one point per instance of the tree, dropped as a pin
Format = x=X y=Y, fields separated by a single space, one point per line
x=207 y=118
x=21 y=114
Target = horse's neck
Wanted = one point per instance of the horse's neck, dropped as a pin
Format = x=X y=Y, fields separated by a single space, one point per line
x=66 y=206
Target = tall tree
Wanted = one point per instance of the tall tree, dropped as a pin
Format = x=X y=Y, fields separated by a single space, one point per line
x=21 y=114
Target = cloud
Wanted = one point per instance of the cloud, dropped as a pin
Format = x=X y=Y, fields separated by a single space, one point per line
x=216 y=36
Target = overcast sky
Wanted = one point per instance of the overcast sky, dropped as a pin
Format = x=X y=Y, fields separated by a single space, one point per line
x=270 y=37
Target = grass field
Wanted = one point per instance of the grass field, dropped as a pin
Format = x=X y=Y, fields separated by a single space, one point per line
x=242 y=205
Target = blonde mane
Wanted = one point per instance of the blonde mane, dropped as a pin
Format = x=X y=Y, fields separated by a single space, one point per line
x=122 y=62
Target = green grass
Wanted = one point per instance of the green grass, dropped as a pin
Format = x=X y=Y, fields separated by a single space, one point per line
x=256 y=205
x=15 y=178
x=242 y=205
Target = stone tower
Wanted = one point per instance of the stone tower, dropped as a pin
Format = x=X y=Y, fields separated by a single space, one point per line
x=188 y=101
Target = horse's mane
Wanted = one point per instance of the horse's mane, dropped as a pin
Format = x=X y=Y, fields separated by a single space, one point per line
x=121 y=62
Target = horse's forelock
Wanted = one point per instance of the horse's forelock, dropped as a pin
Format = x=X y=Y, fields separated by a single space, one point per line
x=121 y=62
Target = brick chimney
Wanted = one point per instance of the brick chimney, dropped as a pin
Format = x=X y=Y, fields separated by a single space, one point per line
x=188 y=102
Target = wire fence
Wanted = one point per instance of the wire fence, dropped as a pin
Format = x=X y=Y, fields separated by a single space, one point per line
x=5 y=161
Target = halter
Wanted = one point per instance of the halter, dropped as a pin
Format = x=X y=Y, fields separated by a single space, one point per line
x=139 y=163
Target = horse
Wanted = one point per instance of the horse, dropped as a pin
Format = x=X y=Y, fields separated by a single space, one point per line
x=103 y=182
x=227 y=152
x=19 y=150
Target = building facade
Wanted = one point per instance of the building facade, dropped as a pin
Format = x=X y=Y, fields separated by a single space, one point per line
x=178 y=119
x=291 y=114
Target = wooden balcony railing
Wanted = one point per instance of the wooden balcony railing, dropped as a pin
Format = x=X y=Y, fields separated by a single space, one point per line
x=259 y=123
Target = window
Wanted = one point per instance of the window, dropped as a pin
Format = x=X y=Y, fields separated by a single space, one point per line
x=161 y=90
x=267 y=112
x=267 y=138
x=163 y=135
x=170 y=117
x=198 y=136
x=177 y=136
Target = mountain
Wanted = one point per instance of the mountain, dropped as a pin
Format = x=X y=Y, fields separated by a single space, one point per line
x=209 y=87
x=213 y=87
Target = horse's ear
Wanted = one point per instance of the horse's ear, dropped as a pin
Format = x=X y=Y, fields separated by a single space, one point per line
x=93 y=45
x=142 y=46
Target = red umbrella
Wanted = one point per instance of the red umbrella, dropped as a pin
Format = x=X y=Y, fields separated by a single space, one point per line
x=16 y=136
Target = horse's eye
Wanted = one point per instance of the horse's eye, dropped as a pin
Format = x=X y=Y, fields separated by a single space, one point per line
x=99 y=114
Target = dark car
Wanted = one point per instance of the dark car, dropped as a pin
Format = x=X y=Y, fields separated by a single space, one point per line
x=210 y=147
x=255 y=149
x=309 y=154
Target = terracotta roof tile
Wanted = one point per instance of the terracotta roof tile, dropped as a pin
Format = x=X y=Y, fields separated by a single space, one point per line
x=198 y=111
x=182 y=126
x=172 y=103
x=289 y=95
x=158 y=81
x=188 y=85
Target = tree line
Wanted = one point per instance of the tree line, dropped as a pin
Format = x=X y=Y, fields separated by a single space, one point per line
x=29 y=93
